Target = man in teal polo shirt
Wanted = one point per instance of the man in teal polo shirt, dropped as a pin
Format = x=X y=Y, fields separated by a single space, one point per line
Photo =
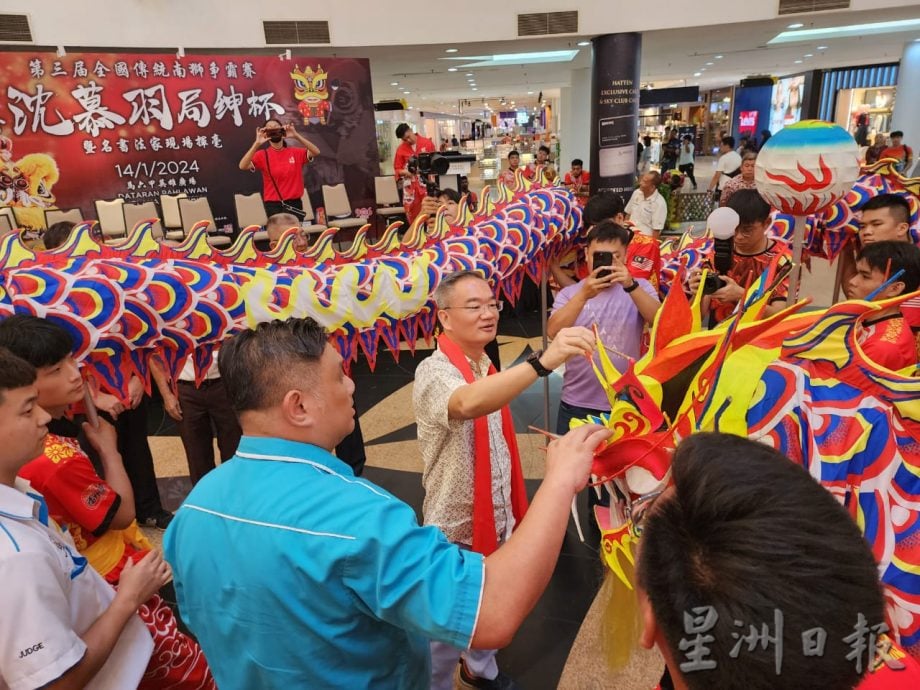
x=292 y=573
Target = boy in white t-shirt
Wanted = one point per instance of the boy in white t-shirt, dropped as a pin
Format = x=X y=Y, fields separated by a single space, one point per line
x=63 y=626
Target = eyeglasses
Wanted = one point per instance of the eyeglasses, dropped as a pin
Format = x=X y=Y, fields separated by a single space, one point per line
x=638 y=509
x=478 y=308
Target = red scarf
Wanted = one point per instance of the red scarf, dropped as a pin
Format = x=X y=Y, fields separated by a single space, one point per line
x=485 y=540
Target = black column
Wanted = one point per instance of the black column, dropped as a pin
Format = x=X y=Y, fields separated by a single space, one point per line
x=615 y=112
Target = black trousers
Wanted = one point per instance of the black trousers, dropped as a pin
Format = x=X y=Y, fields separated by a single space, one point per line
x=687 y=169
x=295 y=207
x=206 y=414
x=131 y=427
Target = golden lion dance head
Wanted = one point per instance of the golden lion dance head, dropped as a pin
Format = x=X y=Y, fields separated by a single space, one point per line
x=27 y=186
x=310 y=85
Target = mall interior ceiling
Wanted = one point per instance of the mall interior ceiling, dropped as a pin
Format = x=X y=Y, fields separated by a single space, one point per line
x=479 y=54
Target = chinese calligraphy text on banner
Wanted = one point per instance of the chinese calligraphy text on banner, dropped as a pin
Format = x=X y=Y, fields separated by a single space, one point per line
x=90 y=126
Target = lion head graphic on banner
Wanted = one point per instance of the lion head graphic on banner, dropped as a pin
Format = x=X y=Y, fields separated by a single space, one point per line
x=26 y=184
x=311 y=89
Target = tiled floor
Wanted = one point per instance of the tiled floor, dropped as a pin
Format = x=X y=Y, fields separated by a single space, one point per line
x=383 y=397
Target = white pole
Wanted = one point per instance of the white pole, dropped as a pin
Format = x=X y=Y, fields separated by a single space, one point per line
x=544 y=307
x=798 y=240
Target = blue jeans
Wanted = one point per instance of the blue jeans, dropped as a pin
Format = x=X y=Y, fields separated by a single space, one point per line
x=566 y=414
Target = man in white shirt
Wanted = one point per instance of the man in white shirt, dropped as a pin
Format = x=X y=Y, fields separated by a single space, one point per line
x=63 y=626
x=729 y=165
x=685 y=160
x=647 y=209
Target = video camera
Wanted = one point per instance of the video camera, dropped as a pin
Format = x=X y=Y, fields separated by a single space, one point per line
x=426 y=165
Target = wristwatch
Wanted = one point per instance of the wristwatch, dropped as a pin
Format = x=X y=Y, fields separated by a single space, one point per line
x=631 y=287
x=533 y=359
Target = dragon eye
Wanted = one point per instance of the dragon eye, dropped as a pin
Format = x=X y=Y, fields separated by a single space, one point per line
x=319 y=84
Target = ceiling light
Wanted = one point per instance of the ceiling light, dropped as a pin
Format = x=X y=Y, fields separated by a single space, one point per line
x=726 y=100
x=530 y=93
x=697 y=74
x=454 y=50
x=798 y=62
x=475 y=89
x=584 y=43
x=394 y=83
x=451 y=69
x=469 y=74
x=719 y=57
x=821 y=48
x=850 y=30
x=702 y=69
x=517 y=58
x=797 y=25
x=710 y=64
x=407 y=92
x=808 y=55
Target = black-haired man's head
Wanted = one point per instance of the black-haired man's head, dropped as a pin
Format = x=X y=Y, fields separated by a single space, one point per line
x=48 y=347
x=745 y=538
x=885 y=217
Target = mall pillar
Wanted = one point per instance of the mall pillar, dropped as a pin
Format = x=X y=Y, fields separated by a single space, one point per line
x=906 y=116
x=615 y=112
x=574 y=120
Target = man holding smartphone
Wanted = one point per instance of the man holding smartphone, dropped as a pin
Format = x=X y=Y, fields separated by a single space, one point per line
x=619 y=305
x=281 y=166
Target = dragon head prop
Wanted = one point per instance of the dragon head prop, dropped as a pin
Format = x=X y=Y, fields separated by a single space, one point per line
x=797 y=380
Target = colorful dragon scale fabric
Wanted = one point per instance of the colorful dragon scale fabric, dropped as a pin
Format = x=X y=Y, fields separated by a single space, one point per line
x=123 y=302
x=797 y=381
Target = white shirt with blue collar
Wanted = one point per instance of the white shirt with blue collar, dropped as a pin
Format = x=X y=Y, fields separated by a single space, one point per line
x=49 y=598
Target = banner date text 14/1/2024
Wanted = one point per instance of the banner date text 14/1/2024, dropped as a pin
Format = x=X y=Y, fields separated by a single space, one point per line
x=156 y=168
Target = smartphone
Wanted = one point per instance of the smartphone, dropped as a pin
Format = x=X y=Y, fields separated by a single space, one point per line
x=603 y=259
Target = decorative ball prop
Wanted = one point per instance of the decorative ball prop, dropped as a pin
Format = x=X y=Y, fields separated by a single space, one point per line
x=722 y=222
x=807 y=167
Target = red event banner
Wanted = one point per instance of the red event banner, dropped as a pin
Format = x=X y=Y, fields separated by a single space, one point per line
x=90 y=126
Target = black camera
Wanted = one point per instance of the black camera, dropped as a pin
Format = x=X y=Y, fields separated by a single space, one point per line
x=712 y=283
x=428 y=165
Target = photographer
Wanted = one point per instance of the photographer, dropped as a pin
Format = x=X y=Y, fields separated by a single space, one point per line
x=412 y=145
x=618 y=304
x=422 y=182
x=752 y=252
x=281 y=167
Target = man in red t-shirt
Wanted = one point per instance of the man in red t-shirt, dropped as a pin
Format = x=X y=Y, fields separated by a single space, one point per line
x=752 y=254
x=886 y=339
x=509 y=175
x=281 y=167
x=901 y=152
x=643 y=254
x=412 y=145
x=578 y=181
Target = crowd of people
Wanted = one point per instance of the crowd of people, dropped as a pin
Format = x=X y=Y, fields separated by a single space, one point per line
x=290 y=570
